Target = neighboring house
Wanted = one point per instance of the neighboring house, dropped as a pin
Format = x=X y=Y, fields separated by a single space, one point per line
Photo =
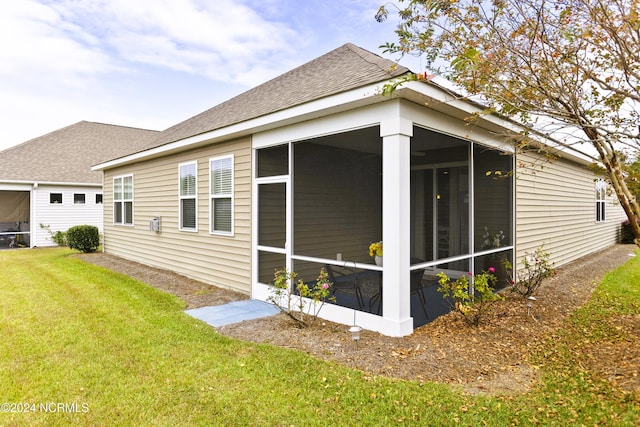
x=306 y=170
x=47 y=185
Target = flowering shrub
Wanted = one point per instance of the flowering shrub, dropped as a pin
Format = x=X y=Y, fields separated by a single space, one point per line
x=375 y=249
x=472 y=295
x=536 y=267
x=304 y=302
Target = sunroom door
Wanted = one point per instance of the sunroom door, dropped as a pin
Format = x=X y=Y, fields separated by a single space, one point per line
x=440 y=212
x=272 y=229
x=273 y=212
x=452 y=211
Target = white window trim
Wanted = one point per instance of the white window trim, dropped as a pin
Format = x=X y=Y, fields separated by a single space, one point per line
x=181 y=197
x=124 y=224
x=231 y=196
x=601 y=201
x=56 y=203
x=84 y=200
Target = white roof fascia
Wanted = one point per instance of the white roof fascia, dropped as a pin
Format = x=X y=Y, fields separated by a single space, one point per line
x=16 y=186
x=70 y=184
x=16 y=181
x=61 y=183
x=445 y=101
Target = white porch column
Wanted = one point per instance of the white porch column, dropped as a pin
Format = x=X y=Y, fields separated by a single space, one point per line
x=396 y=202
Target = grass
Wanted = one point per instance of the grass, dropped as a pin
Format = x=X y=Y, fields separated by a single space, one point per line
x=118 y=352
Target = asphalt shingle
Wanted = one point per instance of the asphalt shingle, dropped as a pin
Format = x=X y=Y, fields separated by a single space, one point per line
x=67 y=154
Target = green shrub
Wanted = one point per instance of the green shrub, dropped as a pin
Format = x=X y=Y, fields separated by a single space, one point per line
x=58 y=237
x=626 y=232
x=85 y=238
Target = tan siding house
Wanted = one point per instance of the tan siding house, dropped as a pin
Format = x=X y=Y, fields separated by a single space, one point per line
x=556 y=206
x=307 y=170
x=221 y=260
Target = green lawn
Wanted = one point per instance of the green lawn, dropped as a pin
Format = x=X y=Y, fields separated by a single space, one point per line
x=81 y=345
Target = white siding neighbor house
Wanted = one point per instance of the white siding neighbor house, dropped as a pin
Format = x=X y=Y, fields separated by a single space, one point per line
x=47 y=185
x=307 y=170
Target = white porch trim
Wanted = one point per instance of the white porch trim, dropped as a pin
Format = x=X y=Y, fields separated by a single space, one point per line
x=396 y=231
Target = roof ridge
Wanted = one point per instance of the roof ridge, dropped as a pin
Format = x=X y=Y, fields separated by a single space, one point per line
x=119 y=126
x=366 y=56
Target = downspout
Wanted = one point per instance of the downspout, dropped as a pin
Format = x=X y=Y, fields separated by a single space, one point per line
x=33 y=215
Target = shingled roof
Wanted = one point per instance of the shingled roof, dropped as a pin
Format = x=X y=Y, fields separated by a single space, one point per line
x=67 y=154
x=345 y=68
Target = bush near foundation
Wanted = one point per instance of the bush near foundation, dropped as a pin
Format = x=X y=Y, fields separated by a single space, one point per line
x=626 y=232
x=85 y=238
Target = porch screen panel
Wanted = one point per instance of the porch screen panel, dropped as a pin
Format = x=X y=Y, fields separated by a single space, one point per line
x=14 y=206
x=273 y=161
x=272 y=220
x=337 y=203
x=452 y=211
x=439 y=196
x=495 y=261
x=422 y=218
x=268 y=263
x=493 y=199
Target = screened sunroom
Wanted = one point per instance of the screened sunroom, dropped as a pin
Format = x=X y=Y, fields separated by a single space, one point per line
x=15 y=214
x=434 y=201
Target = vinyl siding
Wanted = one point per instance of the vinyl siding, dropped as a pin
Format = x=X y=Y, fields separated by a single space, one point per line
x=60 y=217
x=215 y=259
x=555 y=206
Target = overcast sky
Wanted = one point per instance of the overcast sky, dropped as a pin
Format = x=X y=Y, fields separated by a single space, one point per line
x=154 y=63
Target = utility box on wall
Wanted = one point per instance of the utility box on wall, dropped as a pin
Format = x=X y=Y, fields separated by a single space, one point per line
x=155 y=223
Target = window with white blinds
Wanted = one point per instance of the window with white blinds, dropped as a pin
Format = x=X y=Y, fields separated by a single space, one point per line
x=221 y=185
x=601 y=197
x=188 y=195
x=123 y=200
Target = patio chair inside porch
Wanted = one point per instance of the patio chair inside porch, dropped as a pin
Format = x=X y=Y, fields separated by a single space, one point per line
x=351 y=281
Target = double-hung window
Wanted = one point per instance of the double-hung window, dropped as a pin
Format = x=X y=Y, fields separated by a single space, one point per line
x=601 y=196
x=221 y=194
x=123 y=200
x=188 y=195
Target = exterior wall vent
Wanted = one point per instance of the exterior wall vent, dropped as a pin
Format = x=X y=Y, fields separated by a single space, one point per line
x=155 y=224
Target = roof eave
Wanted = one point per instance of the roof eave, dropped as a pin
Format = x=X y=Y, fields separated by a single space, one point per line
x=40 y=182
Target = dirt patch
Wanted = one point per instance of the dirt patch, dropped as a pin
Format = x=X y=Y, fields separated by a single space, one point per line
x=194 y=293
x=492 y=358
